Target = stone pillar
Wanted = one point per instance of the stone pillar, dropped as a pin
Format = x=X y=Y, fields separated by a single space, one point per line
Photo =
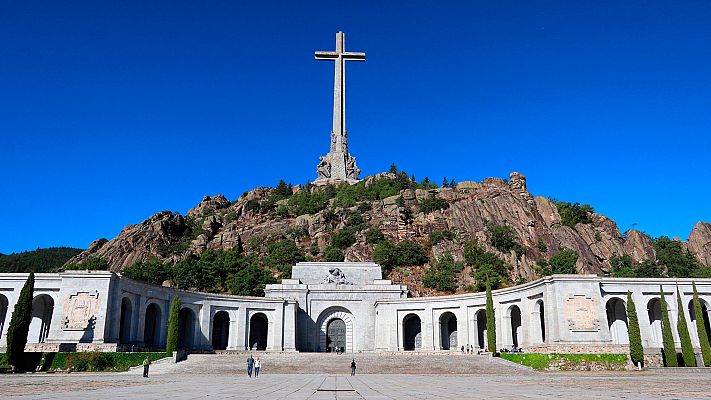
x=428 y=326
x=242 y=322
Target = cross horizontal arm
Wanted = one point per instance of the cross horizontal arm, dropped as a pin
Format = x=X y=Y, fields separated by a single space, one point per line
x=326 y=55
x=354 y=56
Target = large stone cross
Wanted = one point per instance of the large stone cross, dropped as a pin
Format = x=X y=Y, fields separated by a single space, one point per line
x=338 y=164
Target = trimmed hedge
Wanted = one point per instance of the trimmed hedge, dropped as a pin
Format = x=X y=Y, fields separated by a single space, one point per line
x=543 y=362
x=94 y=362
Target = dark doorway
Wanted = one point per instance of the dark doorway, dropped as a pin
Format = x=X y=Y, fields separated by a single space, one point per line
x=481 y=328
x=186 y=329
x=336 y=335
x=412 y=332
x=258 y=331
x=151 y=334
x=220 y=330
x=448 y=329
x=126 y=317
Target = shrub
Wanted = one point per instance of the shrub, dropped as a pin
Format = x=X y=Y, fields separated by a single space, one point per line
x=437 y=236
x=636 y=349
x=374 y=236
x=250 y=281
x=356 y=222
x=503 y=238
x=411 y=253
x=701 y=329
x=572 y=214
x=97 y=362
x=153 y=271
x=343 y=239
x=432 y=203
x=687 y=349
x=385 y=254
x=90 y=264
x=679 y=262
x=563 y=262
x=20 y=324
x=490 y=321
x=542 y=247
x=441 y=275
x=282 y=255
x=171 y=344
x=667 y=338
x=490 y=269
x=333 y=254
x=543 y=362
x=364 y=207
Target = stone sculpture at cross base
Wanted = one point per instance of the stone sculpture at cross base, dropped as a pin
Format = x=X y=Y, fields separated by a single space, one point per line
x=338 y=165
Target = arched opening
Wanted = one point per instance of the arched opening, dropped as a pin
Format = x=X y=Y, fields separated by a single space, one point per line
x=705 y=316
x=481 y=328
x=258 y=331
x=220 y=330
x=654 y=311
x=151 y=330
x=617 y=320
x=515 y=316
x=125 y=321
x=3 y=312
x=186 y=329
x=538 y=323
x=412 y=332
x=336 y=335
x=542 y=317
x=42 y=309
x=448 y=331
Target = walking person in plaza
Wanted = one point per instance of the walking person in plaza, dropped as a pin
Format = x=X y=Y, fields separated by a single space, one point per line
x=250 y=364
x=257 y=366
x=146 y=366
x=353 y=367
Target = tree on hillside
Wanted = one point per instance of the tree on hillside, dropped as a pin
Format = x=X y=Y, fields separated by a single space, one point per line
x=701 y=329
x=687 y=349
x=20 y=324
x=171 y=344
x=636 y=349
x=490 y=321
x=667 y=337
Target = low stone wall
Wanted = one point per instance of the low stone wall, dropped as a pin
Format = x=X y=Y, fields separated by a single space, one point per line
x=71 y=347
x=578 y=349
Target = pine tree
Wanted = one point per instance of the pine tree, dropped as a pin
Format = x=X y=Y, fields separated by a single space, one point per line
x=636 y=349
x=701 y=329
x=20 y=324
x=445 y=182
x=173 y=326
x=667 y=337
x=490 y=321
x=687 y=349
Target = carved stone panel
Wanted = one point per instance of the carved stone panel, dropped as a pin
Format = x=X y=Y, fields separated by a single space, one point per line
x=80 y=311
x=581 y=311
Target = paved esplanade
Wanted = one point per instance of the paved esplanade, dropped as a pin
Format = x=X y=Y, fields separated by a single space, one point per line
x=338 y=163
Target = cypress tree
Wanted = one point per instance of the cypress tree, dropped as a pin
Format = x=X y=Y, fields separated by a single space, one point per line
x=701 y=329
x=490 y=321
x=687 y=349
x=171 y=344
x=667 y=337
x=20 y=324
x=636 y=349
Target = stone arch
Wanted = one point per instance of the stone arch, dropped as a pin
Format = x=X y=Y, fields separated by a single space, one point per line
x=481 y=328
x=705 y=315
x=324 y=320
x=125 y=321
x=4 y=303
x=186 y=328
x=538 y=322
x=411 y=332
x=448 y=331
x=654 y=312
x=152 y=326
x=220 y=330
x=42 y=310
x=617 y=320
x=258 y=331
x=514 y=314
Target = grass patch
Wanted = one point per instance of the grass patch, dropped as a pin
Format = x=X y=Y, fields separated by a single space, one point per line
x=543 y=362
x=110 y=362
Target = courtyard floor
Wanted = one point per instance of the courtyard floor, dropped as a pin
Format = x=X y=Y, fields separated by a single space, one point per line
x=579 y=385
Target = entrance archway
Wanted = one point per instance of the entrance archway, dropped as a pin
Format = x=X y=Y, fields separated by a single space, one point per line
x=448 y=331
x=617 y=320
x=125 y=321
x=538 y=323
x=705 y=316
x=654 y=311
x=220 y=330
x=515 y=316
x=258 y=331
x=151 y=330
x=336 y=335
x=481 y=328
x=186 y=329
x=42 y=309
x=412 y=332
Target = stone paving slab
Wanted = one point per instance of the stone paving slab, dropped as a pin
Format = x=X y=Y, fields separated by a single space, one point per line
x=578 y=385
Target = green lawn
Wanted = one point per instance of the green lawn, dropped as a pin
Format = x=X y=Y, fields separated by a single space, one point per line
x=542 y=362
x=85 y=362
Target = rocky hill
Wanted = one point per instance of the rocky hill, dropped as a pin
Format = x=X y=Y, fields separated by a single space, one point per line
x=402 y=210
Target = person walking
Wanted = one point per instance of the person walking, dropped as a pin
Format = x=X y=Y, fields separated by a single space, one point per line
x=250 y=364
x=353 y=367
x=146 y=366
x=257 y=366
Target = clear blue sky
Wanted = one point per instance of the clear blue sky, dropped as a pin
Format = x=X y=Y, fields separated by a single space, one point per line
x=112 y=111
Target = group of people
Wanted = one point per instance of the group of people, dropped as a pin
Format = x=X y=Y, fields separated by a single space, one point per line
x=469 y=349
x=513 y=349
x=253 y=365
